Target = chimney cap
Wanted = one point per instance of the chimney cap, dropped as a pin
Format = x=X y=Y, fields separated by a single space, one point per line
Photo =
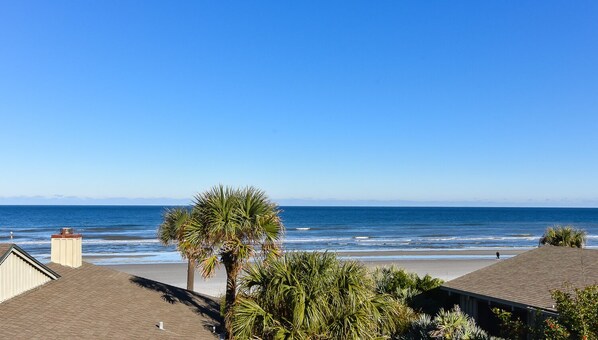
x=66 y=233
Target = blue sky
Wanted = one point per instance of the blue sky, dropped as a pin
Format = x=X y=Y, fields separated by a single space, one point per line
x=385 y=102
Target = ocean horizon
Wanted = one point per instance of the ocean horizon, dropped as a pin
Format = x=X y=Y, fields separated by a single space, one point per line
x=126 y=234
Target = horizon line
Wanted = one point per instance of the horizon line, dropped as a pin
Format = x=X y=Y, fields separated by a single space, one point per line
x=61 y=200
x=319 y=206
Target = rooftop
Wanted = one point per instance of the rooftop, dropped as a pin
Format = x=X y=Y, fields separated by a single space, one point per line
x=94 y=302
x=4 y=248
x=528 y=278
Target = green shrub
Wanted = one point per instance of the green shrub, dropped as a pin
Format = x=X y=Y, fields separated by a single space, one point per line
x=578 y=312
x=420 y=293
x=510 y=327
x=447 y=324
x=315 y=296
x=577 y=318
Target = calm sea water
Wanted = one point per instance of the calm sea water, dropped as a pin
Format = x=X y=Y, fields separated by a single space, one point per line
x=127 y=234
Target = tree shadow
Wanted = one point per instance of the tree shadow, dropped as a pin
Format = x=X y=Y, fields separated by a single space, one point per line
x=200 y=304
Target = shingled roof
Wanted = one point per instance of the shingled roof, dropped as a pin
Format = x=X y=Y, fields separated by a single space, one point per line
x=4 y=248
x=94 y=302
x=527 y=279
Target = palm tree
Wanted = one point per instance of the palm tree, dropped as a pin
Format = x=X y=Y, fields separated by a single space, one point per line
x=172 y=230
x=314 y=296
x=566 y=236
x=228 y=227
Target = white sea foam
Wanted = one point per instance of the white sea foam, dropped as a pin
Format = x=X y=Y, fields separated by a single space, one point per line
x=479 y=238
x=451 y=239
x=302 y=229
x=317 y=240
x=149 y=241
x=385 y=240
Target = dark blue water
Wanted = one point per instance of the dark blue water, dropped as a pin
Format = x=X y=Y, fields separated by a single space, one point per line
x=127 y=234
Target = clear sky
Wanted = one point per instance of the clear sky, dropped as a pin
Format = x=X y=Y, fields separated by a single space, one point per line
x=316 y=102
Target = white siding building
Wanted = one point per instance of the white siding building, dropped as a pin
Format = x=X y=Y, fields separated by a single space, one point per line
x=19 y=272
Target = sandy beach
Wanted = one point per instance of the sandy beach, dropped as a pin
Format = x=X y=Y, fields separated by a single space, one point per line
x=452 y=265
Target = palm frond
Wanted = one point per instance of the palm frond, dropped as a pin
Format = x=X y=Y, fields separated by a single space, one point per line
x=208 y=265
x=564 y=236
x=316 y=296
x=228 y=225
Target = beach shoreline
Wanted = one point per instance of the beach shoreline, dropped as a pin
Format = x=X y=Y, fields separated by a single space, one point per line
x=450 y=266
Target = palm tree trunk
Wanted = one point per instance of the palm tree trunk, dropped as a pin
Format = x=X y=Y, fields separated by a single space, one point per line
x=232 y=270
x=190 y=274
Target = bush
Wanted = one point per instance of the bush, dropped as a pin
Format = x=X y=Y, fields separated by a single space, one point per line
x=452 y=324
x=578 y=312
x=315 y=296
x=420 y=293
x=510 y=327
x=577 y=318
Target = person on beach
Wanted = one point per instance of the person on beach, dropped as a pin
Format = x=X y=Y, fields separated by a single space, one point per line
x=497 y=255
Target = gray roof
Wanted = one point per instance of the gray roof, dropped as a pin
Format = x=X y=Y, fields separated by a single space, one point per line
x=94 y=302
x=4 y=249
x=528 y=278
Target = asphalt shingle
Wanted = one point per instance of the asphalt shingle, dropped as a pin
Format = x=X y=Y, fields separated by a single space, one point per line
x=528 y=278
x=94 y=302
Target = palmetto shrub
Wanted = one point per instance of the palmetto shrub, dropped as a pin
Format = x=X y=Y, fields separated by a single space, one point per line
x=402 y=284
x=417 y=292
x=315 y=296
x=447 y=324
x=566 y=236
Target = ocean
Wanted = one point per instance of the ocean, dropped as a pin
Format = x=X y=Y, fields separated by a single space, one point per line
x=127 y=234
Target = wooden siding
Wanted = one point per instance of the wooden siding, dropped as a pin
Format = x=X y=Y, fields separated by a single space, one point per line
x=17 y=276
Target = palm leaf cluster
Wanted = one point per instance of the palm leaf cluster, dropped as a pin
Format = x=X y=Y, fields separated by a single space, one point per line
x=566 y=236
x=447 y=324
x=172 y=231
x=402 y=284
x=230 y=224
x=225 y=226
x=314 y=296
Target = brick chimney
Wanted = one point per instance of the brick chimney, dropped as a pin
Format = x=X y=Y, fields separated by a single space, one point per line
x=66 y=248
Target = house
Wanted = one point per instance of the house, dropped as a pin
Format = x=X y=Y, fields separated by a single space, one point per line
x=20 y=272
x=71 y=299
x=522 y=284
